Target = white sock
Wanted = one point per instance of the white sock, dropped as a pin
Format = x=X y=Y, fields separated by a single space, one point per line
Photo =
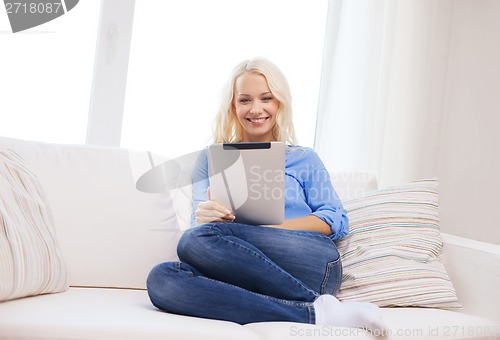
x=331 y=312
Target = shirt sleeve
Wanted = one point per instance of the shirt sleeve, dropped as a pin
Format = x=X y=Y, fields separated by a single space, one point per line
x=200 y=183
x=323 y=200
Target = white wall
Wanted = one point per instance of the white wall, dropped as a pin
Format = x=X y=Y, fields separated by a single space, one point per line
x=469 y=155
x=443 y=110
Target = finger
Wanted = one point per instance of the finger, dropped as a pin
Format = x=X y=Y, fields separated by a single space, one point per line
x=206 y=219
x=210 y=215
x=207 y=211
x=216 y=206
x=208 y=193
x=229 y=217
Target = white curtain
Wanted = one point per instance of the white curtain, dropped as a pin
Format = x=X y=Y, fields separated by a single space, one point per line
x=383 y=87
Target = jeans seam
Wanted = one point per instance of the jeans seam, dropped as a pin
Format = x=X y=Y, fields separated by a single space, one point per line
x=327 y=276
x=312 y=314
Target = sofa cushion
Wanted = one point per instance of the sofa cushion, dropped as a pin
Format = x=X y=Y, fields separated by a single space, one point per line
x=100 y=313
x=392 y=255
x=30 y=258
x=110 y=234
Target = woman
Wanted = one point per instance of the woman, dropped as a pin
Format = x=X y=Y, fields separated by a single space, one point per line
x=244 y=273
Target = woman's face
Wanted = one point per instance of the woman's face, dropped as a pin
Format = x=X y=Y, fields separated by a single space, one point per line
x=255 y=107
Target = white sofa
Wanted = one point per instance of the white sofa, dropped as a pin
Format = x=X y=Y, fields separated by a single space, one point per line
x=111 y=235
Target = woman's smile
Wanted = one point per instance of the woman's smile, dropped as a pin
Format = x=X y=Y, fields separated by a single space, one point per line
x=257 y=121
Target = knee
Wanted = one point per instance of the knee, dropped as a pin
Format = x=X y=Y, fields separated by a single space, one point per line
x=169 y=285
x=194 y=240
x=158 y=276
x=161 y=283
x=187 y=240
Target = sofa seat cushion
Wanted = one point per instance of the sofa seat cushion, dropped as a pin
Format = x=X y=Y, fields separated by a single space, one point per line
x=402 y=323
x=100 y=313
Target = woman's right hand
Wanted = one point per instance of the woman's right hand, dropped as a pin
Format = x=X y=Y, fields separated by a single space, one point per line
x=212 y=211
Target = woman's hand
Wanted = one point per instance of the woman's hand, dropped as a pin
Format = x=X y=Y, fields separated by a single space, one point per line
x=212 y=211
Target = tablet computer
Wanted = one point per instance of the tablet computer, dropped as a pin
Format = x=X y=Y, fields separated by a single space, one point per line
x=249 y=179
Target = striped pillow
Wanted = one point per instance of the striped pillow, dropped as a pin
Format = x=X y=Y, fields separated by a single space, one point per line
x=30 y=259
x=392 y=255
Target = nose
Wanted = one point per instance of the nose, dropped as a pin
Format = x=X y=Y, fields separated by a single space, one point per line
x=256 y=108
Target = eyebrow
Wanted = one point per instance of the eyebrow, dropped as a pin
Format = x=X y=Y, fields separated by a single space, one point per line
x=243 y=94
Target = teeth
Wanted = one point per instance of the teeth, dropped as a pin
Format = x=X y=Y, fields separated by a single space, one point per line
x=257 y=120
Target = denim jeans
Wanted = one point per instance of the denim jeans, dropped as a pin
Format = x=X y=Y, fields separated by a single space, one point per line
x=243 y=273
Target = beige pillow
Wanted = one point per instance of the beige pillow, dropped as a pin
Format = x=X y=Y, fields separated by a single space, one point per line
x=392 y=255
x=30 y=259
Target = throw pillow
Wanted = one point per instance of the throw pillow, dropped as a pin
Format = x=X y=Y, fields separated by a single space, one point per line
x=392 y=255
x=30 y=259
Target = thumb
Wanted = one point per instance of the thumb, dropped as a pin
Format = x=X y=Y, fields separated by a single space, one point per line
x=208 y=193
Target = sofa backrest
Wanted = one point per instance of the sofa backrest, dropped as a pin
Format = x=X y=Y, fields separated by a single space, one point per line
x=110 y=233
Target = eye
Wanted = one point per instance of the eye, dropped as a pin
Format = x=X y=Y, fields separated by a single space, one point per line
x=243 y=100
x=267 y=99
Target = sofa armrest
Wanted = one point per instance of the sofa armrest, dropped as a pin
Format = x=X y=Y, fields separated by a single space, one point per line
x=474 y=269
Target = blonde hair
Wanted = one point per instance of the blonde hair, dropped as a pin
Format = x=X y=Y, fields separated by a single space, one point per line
x=228 y=129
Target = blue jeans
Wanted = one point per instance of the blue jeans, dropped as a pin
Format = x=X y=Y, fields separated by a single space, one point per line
x=243 y=273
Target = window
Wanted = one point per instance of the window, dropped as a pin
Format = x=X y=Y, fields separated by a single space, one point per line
x=46 y=76
x=182 y=53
